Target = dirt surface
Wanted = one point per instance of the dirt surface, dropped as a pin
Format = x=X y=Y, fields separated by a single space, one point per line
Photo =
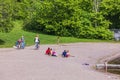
x=30 y=64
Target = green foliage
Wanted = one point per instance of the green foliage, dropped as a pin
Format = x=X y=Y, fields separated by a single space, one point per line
x=68 y=18
x=76 y=18
x=111 y=10
x=96 y=33
x=5 y=16
x=9 y=39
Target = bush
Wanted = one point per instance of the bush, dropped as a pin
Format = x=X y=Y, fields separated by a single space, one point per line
x=96 y=33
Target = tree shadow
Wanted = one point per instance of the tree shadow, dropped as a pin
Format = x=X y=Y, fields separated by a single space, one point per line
x=1 y=42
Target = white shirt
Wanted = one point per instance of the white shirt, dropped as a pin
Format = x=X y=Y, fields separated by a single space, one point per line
x=36 y=39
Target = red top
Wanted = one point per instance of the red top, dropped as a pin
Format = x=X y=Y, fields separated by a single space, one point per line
x=48 y=51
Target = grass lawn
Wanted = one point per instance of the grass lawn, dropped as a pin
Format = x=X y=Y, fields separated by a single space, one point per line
x=9 y=39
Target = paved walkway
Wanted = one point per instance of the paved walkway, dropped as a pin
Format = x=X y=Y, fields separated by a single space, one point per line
x=30 y=64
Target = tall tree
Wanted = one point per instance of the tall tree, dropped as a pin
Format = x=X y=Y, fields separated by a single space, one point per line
x=111 y=10
x=6 y=9
x=69 y=18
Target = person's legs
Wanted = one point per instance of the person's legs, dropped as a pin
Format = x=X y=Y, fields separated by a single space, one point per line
x=22 y=45
x=19 y=45
x=54 y=55
x=36 y=45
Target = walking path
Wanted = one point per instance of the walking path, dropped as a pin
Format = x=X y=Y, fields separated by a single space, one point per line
x=30 y=64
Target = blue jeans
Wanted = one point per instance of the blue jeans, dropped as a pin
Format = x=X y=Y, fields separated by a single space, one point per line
x=23 y=45
x=36 y=45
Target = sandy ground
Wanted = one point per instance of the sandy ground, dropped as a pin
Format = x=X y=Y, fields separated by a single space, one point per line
x=30 y=64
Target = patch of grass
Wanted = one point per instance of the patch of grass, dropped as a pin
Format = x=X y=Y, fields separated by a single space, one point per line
x=9 y=39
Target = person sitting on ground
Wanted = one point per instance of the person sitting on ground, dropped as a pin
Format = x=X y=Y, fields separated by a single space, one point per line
x=51 y=52
x=54 y=53
x=48 y=51
x=18 y=43
x=67 y=53
x=64 y=53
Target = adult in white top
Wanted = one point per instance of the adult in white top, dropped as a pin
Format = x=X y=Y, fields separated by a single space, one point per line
x=37 y=41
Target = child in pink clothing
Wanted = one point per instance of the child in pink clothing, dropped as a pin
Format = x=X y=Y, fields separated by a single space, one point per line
x=67 y=53
x=54 y=53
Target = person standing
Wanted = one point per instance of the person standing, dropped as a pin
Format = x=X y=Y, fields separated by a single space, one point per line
x=22 y=42
x=37 y=41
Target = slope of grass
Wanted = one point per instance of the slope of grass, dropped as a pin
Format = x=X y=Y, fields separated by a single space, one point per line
x=9 y=39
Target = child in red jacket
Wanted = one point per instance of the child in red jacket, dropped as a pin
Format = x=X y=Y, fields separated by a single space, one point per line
x=48 y=51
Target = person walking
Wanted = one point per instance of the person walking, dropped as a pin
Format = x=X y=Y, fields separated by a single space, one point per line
x=37 y=41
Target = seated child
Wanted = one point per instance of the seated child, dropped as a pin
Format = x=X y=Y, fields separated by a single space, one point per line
x=48 y=51
x=67 y=53
x=54 y=53
x=18 y=43
x=64 y=53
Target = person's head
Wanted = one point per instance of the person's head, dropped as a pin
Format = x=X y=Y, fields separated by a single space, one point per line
x=64 y=50
x=48 y=47
x=37 y=35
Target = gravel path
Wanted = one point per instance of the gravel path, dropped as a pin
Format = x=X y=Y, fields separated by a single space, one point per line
x=30 y=64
